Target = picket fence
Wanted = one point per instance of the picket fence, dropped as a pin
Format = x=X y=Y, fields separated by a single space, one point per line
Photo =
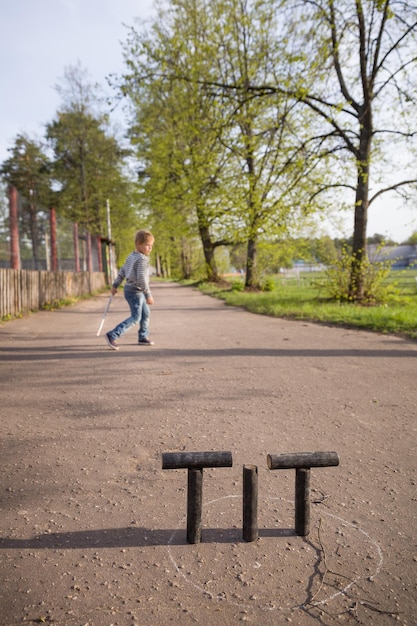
x=23 y=291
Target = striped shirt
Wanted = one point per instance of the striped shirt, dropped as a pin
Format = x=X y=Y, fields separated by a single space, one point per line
x=136 y=272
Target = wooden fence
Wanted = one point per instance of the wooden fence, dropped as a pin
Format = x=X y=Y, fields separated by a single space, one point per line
x=22 y=291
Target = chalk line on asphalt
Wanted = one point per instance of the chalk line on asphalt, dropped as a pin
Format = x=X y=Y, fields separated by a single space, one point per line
x=271 y=606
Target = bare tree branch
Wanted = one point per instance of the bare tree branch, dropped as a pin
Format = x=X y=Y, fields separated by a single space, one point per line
x=392 y=188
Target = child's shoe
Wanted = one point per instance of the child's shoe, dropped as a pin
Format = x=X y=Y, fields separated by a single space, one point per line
x=112 y=344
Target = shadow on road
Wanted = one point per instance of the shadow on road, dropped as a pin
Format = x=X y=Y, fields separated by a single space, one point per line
x=130 y=538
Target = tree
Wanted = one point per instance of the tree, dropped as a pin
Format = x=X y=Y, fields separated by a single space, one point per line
x=232 y=166
x=274 y=159
x=412 y=239
x=323 y=250
x=4 y=224
x=353 y=64
x=377 y=238
x=27 y=169
x=88 y=164
x=175 y=129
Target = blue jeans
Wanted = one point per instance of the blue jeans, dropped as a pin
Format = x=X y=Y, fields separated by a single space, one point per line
x=140 y=314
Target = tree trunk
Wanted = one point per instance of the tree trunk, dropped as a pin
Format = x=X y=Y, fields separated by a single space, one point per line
x=208 y=250
x=185 y=260
x=359 y=254
x=251 y=278
x=357 y=278
x=251 y=274
x=34 y=235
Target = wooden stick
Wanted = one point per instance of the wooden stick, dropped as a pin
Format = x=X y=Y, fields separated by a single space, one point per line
x=250 y=502
x=302 y=462
x=302 y=459
x=194 y=505
x=302 y=501
x=195 y=462
x=188 y=460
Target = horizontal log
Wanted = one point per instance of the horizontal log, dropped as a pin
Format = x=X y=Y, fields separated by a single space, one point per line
x=302 y=460
x=195 y=460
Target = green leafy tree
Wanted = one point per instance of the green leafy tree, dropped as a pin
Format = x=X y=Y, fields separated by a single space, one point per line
x=219 y=162
x=175 y=129
x=412 y=239
x=353 y=64
x=88 y=163
x=273 y=157
x=377 y=238
x=324 y=250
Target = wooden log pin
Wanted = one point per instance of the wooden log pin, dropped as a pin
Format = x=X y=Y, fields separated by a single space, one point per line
x=302 y=462
x=195 y=462
x=250 y=503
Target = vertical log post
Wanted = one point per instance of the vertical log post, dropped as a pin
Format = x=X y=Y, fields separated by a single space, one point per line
x=250 y=502
x=302 y=462
x=194 y=462
x=302 y=501
x=194 y=504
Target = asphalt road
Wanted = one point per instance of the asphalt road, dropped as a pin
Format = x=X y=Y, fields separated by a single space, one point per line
x=93 y=529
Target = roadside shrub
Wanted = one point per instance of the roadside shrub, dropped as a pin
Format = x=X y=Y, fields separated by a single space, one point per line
x=337 y=279
x=238 y=285
x=267 y=283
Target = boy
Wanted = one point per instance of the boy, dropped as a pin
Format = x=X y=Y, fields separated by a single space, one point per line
x=136 y=291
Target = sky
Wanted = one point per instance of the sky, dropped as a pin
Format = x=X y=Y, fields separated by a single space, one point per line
x=40 y=38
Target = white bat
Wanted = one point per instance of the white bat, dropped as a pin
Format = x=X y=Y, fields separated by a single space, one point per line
x=106 y=310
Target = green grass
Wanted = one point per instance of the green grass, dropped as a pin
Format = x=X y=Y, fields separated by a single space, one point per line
x=305 y=299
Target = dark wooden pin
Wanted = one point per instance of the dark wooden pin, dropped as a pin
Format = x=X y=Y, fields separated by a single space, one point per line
x=302 y=462
x=250 y=503
x=195 y=462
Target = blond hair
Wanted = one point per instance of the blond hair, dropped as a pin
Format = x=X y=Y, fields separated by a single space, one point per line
x=143 y=236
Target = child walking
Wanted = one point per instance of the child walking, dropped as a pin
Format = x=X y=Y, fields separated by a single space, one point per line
x=136 y=291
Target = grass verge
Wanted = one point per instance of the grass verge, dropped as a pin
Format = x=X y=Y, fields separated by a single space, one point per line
x=303 y=299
